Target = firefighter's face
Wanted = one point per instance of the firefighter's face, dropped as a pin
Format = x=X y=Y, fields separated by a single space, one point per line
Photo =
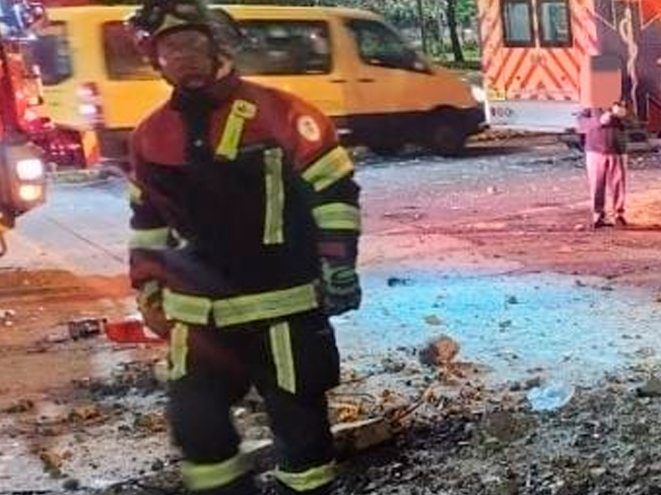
x=186 y=58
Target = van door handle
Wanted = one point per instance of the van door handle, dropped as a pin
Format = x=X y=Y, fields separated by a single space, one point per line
x=338 y=81
x=366 y=80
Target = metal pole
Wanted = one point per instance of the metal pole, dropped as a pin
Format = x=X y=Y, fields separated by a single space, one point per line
x=423 y=29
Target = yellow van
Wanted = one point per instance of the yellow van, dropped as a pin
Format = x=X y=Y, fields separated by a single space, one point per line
x=349 y=62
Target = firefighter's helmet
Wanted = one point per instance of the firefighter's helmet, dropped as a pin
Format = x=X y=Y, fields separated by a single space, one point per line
x=156 y=17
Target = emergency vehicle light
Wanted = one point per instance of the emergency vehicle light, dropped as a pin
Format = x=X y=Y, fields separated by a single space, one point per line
x=30 y=192
x=30 y=169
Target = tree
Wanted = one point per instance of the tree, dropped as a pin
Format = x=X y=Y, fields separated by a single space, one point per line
x=455 y=42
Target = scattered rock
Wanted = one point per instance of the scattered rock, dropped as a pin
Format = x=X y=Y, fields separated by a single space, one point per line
x=532 y=383
x=53 y=461
x=21 y=406
x=550 y=397
x=512 y=300
x=153 y=422
x=85 y=328
x=651 y=389
x=397 y=282
x=71 y=485
x=439 y=352
x=580 y=227
x=85 y=412
x=433 y=320
x=505 y=324
x=359 y=436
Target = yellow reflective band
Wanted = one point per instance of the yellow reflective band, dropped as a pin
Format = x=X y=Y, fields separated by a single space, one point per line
x=330 y=168
x=308 y=480
x=199 y=477
x=230 y=141
x=135 y=193
x=337 y=216
x=265 y=305
x=240 y=309
x=275 y=198
x=191 y=309
x=178 y=351
x=150 y=238
x=283 y=357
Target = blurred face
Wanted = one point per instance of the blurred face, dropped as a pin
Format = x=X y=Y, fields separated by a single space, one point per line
x=186 y=59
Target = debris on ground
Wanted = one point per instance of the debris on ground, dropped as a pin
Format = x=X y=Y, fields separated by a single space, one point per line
x=550 y=397
x=650 y=389
x=85 y=328
x=440 y=352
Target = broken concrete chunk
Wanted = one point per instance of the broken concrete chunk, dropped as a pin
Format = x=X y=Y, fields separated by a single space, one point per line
x=433 y=320
x=21 y=406
x=439 y=352
x=85 y=412
x=651 y=389
x=153 y=422
x=361 y=435
x=53 y=461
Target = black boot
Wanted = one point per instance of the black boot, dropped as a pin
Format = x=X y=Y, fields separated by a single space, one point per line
x=282 y=489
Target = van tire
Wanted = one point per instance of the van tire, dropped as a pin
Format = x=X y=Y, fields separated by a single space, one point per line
x=445 y=134
x=446 y=141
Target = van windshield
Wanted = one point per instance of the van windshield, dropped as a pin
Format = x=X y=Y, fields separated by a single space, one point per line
x=50 y=51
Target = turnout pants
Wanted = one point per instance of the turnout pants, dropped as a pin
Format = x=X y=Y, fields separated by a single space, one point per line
x=606 y=171
x=292 y=363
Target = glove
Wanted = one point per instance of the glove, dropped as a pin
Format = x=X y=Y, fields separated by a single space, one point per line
x=340 y=289
x=606 y=118
x=619 y=110
x=150 y=305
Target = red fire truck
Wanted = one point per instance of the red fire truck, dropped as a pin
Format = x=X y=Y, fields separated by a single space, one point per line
x=22 y=169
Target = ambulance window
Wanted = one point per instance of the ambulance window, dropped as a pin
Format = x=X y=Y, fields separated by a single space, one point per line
x=50 y=51
x=554 y=23
x=517 y=23
x=284 y=48
x=123 y=59
x=379 y=45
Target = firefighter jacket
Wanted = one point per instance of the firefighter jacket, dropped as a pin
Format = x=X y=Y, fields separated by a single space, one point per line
x=236 y=197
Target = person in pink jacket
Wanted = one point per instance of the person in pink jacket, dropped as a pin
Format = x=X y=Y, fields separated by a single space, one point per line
x=606 y=160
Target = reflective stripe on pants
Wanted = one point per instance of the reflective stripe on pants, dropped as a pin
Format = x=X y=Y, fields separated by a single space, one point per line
x=308 y=480
x=237 y=310
x=206 y=476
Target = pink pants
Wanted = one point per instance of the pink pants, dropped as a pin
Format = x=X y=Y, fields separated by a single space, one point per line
x=607 y=171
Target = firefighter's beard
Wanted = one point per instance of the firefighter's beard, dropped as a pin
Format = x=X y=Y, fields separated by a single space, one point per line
x=197 y=78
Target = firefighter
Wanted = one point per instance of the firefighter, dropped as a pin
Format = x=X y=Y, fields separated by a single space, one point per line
x=245 y=227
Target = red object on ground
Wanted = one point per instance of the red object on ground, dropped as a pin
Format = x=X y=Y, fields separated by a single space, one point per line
x=131 y=331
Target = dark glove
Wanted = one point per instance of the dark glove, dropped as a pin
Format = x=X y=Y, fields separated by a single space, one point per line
x=340 y=290
x=150 y=305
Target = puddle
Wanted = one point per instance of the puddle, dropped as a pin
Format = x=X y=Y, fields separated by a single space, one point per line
x=568 y=328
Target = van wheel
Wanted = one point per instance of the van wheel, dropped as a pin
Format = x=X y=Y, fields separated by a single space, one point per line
x=386 y=149
x=445 y=140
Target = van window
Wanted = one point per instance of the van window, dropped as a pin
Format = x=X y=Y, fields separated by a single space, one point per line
x=379 y=45
x=284 y=48
x=51 y=52
x=517 y=23
x=123 y=59
x=554 y=23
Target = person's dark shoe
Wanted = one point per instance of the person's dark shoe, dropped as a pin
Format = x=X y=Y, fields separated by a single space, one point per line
x=600 y=223
x=621 y=222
